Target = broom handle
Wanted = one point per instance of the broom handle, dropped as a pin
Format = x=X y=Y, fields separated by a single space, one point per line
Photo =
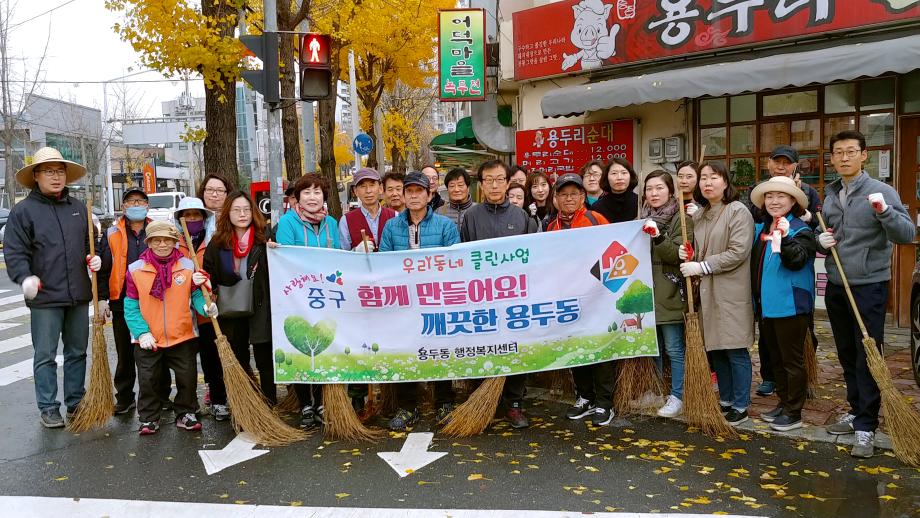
x=92 y=252
x=364 y=240
x=204 y=289
x=683 y=231
x=846 y=283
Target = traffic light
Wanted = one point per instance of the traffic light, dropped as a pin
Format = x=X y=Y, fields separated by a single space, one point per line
x=264 y=81
x=315 y=73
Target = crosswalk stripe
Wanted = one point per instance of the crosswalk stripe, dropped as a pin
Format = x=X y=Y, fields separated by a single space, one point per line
x=21 y=371
x=11 y=300
x=16 y=342
x=14 y=313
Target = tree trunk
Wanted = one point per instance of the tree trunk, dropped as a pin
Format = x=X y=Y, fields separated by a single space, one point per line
x=290 y=127
x=327 y=165
x=220 y=110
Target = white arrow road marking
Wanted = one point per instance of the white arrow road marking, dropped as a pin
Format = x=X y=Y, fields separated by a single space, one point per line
x=413 y=456
x=21 y=371
x=239 y=450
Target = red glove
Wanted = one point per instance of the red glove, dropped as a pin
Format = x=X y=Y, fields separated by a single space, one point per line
x=687 y=249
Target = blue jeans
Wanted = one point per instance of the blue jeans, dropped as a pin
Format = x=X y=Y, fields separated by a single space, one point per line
x=733 y=369
x=50 y=325
x=672 y=337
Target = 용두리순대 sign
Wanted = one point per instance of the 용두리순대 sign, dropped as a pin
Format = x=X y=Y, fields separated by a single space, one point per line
x=487 y=308
x=462 y=54
x=565 y=149
x=575 y=35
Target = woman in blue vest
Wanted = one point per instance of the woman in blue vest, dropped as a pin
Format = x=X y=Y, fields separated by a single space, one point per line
x=783 y=287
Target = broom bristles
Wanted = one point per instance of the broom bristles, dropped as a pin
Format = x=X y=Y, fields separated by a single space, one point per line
x=561 y=382
x=635 y=378
x=811 y=365
x=385 y=401
x=97 y=405
x=473 y=416
x=289 y=404
x=901 y=418
x=249 y=408
x=701 y=406
x=341 y=422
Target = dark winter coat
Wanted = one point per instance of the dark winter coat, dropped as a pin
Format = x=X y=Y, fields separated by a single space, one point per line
x=489 y=220
x=218 y=262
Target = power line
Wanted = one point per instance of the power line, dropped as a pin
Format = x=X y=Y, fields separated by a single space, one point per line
x=42 y=14
x=59 y=82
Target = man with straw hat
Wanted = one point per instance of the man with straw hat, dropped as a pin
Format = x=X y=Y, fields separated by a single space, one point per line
x=864 y=217
x=46 y=251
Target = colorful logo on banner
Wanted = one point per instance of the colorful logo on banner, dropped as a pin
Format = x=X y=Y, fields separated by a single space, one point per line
x=615 y=267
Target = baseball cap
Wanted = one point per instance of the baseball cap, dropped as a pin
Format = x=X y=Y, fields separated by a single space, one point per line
x=567 y=179
x=134 y=190
x=366 y=173
x=785 y=151
x=416 y=178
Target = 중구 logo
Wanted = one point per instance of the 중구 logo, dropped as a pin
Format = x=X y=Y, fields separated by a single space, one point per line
x=615 y=267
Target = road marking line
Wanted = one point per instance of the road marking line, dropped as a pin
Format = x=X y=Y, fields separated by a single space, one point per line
x=21 y=371
x=239 y=450
x=16 y=342
x=13 y=299
x=42 y=507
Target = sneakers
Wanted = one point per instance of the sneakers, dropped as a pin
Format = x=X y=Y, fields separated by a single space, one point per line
x=207 y=396
x=766 y=388
x=308 y=417
x=735 y=417
x=863 y=447
x=51 y=418
x=220 y=412
x=149 y=428
x=785 y=423
x=725 y=407
x=124 y=408
x=72 y=412
x=772 y=414
x=672 y=407
x=516 y=417
x=403 y=419
x=602 y=416
x=444 y=411
x=580 y=409
x=843 y=426
x=188 y=421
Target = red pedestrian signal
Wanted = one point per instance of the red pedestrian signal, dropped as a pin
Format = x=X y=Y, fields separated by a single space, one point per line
x=314 y=50
x=316 y=81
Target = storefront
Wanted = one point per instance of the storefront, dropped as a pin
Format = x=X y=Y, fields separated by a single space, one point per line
x=739 y=80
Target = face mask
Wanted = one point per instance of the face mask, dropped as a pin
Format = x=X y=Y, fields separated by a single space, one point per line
x=136 y=213
x=194 y=227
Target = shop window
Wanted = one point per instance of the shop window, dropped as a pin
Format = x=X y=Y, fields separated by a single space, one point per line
x=743 y=174
x=764 y=168
x=714 y=140
x=790 y=103
x=809 y=169
x=840 y=98
x=773 y=134
x=910 y=94
x=713 y=111
x=742 y=139
x=837 y=124
x=878 y=128
x=743 y=108
x=876 y=94
x=830 y=174
x=879 y=165
x=805 y=134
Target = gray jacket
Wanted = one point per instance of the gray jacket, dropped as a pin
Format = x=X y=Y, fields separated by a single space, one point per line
x=864 y=238
x=488 y=220
x=456 y=211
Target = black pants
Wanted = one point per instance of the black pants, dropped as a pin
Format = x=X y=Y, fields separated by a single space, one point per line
x=766 y=356
x=150 y=366
x=237 y=331
x=309 y=394
x=407 y=394
x=784 y=338
x=125 y=369
x=862 y=391
x=595 y=383
x=210 y=364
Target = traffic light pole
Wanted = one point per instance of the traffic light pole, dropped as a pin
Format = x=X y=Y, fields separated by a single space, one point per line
x=270 y=10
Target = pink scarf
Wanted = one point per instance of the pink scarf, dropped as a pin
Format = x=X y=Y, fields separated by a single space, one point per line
x=163 y=267
x=310 y=217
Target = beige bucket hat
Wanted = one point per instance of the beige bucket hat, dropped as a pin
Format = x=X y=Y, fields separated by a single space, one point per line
x=44 y=155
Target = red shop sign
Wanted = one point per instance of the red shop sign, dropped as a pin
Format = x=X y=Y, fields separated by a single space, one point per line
x=567 y=148
x=574 y=35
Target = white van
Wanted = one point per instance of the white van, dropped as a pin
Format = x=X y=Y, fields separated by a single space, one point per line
x=163 y=204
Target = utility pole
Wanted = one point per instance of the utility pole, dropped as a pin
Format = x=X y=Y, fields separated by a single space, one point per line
x=353 y=100
x=273 y=121
x=306 y=116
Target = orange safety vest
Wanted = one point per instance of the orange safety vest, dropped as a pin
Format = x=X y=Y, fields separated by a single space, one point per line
x=117 y=235
x=183 y=247
x=170 y=320
x=582 y=218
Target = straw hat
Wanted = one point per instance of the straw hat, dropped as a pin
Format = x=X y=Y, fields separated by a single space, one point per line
x=44 y=155
x=161 y=229
x=779 y=184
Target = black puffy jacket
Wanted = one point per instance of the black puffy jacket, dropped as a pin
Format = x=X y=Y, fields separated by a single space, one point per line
x=47 y=237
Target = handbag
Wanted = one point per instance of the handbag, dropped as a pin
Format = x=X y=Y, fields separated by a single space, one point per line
x=236 y=301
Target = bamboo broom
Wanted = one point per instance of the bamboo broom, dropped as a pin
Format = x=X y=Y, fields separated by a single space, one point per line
x=473 y=416
x=97 y=405
x=811 y=363
x=341 y=421
x=902 y=420
x=250 y=411
x=701 y=407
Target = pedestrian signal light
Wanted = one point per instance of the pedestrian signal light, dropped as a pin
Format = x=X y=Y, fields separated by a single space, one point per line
x=314 y=50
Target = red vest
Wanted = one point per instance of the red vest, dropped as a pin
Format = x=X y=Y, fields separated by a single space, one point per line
x=357 y=222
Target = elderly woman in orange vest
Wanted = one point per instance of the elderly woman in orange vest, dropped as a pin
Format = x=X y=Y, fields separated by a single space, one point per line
x=160 y=300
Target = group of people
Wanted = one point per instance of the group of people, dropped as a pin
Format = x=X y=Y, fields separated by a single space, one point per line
x=750 y=263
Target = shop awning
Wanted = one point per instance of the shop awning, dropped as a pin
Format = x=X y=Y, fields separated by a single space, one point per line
x=840 y=63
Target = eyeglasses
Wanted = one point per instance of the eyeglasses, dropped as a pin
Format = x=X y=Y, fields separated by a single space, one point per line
x=53 y=172
x=495 y=181
x=241 y=210
x=133 y=202
x=210 y=190
x=849 y=153
x=592 y=176
x=570 y=195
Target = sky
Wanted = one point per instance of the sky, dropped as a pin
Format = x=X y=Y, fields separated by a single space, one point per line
x=83 y=47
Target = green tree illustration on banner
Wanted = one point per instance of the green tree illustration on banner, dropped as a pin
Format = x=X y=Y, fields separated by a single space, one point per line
x=307 y=338
x=636 y=300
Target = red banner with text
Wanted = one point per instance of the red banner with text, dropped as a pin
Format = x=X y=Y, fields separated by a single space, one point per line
x=576 y=35
x=567 y=148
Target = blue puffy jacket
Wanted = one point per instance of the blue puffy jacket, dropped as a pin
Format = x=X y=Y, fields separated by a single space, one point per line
x=783 y=284
x=435 y=230
x=292 y=230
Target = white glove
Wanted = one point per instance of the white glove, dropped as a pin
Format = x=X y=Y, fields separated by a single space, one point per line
x=694 y=269
x=878 y=202
x=651 y=228
x=210 y=309
x=94 y=262
x=533 y=209
x=360 y=247
x=826 y=239
x=692 y=208
x=782 y=224
x=806 y=217
x=104 y=310
x=31 y=286
x=147 y=342
x=200 y=277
